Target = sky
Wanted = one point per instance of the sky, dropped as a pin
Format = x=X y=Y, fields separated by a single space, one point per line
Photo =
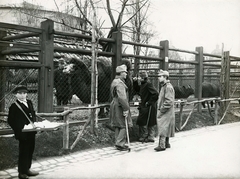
x=187 y=24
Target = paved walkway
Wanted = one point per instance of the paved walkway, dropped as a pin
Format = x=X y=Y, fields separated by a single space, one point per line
x=210 y=152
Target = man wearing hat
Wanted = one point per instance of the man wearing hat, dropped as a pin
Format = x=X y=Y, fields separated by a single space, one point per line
x=21 y=113
x=119 y=107
x=147 y=108
x=166 y=114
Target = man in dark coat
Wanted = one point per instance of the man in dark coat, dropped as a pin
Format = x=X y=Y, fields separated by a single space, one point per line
x=147 y=108
x=20 y=112
x=62 y=84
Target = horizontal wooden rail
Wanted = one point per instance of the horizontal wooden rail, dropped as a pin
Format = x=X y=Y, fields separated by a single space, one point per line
x=20 y=45
x=15 y=51
x=212 y=55
x=23 y=64
x=81 y=51
x=234 y=58
x=20 y=27
x=181 y=50
x=183 y=61
x=82 y=36
x=142 y=45
x=142 y=57
x=20 y=36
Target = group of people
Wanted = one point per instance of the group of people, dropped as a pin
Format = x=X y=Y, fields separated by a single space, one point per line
x=155 y=108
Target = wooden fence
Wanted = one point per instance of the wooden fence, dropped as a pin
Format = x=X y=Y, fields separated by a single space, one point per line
x=43 y=47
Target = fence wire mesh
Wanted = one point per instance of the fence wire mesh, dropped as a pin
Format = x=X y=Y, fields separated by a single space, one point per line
x=12 y=77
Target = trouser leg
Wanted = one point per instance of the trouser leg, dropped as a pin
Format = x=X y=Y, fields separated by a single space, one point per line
x=162 y=142
x=31 y=150
x=143 y=132
x=151 y=132
x=167 y=144
x=26 y=148
x=120 y=135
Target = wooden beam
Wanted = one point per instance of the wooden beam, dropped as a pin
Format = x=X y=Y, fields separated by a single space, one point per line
x=199 y=75
x=45 y=87
x=2 y=74
x=164 y=55
x=22 y=64
x=21 y=36
x=15 y=51
x=19 y=27
x=81 y=51
x=181 y=50
x=117 y=50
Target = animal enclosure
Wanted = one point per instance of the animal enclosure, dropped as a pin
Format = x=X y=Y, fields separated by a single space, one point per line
x=57 y=66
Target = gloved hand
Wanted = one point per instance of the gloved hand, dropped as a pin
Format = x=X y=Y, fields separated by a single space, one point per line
x=125 y=113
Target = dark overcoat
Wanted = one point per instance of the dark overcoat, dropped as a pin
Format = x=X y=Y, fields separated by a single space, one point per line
x=149 y=98
x=17 y=119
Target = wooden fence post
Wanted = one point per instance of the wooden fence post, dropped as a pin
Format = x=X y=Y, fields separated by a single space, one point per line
x=2 y=74
x=164 y=54
x=117 y=50
x=45 y=87
x=224 y=79
x=66 y=132
x=199 y=76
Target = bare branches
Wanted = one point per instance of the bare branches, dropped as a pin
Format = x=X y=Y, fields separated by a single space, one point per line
x=119 y=21
x=110 y=13
x=82 y=13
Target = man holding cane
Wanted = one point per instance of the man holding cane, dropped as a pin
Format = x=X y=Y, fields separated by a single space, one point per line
x=119 y=108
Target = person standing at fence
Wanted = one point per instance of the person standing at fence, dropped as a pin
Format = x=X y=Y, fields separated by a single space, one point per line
x=20 y=112
x=119 y=108
x=62 y=84
x=166 y=114
x=147 y=108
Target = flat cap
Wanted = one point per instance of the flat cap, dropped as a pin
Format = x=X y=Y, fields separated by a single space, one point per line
x=121 y=68
x=20 y=88
x=163 y=73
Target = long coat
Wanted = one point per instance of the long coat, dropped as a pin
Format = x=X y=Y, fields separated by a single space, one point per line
x=148 y=95
x=120 y=103
x=17 y=120
x=166 y=114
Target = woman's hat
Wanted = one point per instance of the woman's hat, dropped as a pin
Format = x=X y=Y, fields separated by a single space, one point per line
x=20 y=88
x=121 y=68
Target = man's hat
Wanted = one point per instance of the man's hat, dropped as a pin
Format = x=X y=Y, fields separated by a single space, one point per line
x=20 y=88
x=121 y=68
x=143 y=74
x=163 y=73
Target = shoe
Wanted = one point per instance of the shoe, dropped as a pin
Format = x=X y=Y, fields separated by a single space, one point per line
x=150 y=140
x=22 y=176
x=158 y=149
x=32 y=173
x=122 y=148
x=168 y=146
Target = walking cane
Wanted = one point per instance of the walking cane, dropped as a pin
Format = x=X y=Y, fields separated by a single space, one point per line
x=128 y=141
x=150 y=108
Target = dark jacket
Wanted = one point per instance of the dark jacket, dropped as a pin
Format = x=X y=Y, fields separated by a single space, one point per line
x=17 y=119
x=149 y=98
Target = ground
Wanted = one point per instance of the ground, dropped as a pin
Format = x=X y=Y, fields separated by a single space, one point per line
x=50 y=143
